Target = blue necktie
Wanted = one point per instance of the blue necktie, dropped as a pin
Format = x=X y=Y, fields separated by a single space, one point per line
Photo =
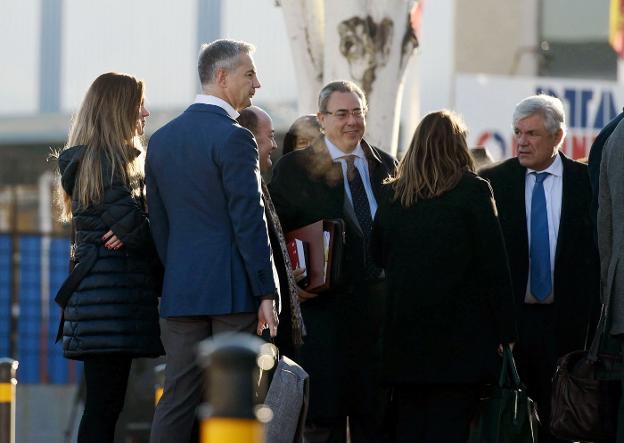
x=541 y=279
x=362 y=211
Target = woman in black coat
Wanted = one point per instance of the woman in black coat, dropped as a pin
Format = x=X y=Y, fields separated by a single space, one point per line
x=449 y=286
x=110 y=299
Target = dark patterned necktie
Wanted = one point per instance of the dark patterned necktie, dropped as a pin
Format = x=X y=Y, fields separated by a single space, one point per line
x=298 y=328
x=362 y=211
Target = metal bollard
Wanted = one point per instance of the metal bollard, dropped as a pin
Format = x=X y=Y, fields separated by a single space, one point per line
x=159 y=387
x=8 y=367
x=230 y=363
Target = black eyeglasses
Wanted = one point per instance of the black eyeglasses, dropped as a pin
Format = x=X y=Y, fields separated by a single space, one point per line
x=342 y=114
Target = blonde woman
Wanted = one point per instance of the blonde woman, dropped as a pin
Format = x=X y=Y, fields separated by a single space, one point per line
x=449 y=287
x=110 y=299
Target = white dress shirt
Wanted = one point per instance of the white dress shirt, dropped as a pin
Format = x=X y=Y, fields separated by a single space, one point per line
x=212 y=100
x=361 y=165
x=553 y=189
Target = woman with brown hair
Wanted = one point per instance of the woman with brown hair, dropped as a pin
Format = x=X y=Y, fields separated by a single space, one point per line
x=449 y=287
x=110 y=299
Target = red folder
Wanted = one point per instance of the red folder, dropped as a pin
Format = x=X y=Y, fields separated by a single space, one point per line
x=299 y=253
x=325 y=239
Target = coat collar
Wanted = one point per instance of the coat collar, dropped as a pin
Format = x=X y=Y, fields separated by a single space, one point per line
x=214 y=109
x=322 y=166
x=217 y=101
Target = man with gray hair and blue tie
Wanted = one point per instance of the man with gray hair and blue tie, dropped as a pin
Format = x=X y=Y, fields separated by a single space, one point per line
x=543 y=199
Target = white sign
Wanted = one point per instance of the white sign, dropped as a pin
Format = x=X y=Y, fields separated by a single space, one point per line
x=487 y=104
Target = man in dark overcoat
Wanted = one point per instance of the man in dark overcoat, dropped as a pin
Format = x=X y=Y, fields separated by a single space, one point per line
x=543 y=199
x=340 y=177
x=291 y=328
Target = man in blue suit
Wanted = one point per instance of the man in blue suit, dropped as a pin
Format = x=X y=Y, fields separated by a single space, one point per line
x=208 y=223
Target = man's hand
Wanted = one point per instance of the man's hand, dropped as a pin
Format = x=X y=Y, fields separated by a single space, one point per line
x=304 y=295
x=267 y=317
x=298 y=274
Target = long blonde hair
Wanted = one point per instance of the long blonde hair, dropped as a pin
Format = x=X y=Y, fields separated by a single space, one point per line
x=106 y=125
x=435 y=160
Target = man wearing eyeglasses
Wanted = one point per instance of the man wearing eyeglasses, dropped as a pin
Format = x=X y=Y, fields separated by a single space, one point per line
x=340 y=176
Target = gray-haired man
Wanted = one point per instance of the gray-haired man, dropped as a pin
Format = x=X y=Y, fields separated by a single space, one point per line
x=543 y=199
x=208 y=224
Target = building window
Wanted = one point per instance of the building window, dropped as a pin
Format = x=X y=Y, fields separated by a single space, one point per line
x=574 y=36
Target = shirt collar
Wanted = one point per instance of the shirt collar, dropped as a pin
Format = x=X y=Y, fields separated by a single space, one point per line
x=216 y=101
x=556 y=168
x=336 y=153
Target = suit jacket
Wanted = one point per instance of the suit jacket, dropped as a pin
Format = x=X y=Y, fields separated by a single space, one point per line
x=595 y=158
x=207 y=215
x=343 y=326
x=576 y=281
x=610 y=233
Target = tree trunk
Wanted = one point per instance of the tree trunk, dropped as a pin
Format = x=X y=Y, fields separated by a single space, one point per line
x=304 y=25
x=368 y=42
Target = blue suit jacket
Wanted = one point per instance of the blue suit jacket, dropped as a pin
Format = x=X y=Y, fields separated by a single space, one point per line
x=207 y=215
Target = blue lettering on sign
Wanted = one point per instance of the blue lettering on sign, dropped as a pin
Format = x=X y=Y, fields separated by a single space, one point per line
x=586 y=96
x=578 y=100
x=606 y=108
x=570 y=96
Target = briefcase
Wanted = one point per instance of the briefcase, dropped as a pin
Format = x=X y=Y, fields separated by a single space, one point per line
x=586 y=393
x=325 y=240
x=288 y=398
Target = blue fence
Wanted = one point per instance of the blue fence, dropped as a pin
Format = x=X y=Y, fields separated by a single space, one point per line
x=5 y=294
x=43 y=266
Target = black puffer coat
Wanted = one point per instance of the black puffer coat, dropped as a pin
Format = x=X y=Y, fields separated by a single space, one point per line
x=111 y=296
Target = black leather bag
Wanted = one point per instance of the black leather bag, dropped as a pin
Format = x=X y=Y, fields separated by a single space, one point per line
x=586 y=393
x=507 y=414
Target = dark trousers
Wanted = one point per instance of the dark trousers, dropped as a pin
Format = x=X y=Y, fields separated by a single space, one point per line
x=536 y=358
x=614 y=344
x=434 y=413
x=342 y=353
x=175 y=413
x=106 y=380
x=620 y=425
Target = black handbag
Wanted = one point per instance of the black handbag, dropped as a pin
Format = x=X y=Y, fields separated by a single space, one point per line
x=506 y=413
x=586 y=392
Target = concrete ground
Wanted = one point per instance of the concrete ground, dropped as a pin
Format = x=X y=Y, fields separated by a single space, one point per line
x=51 y=413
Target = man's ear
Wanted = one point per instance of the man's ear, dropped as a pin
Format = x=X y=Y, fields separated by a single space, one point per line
x=221 y=77
x=558 y=136
x=321 y=119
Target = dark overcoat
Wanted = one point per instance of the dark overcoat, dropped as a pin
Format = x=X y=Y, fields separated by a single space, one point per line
x=449 y=288
x=576 y=276
x=112 y=304
x=340 y=351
